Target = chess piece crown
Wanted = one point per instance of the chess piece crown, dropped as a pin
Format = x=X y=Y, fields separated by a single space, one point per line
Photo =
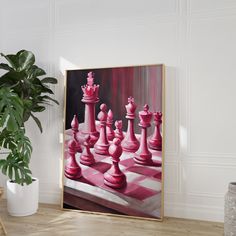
x=130 y=108
x=90 y=90
x=145 y=117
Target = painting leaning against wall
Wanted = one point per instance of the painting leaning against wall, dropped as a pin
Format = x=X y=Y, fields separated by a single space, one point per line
x=113 y=141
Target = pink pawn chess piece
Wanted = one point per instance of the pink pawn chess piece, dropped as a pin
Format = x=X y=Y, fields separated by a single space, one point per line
x=155 y=142
x=114 y=177
x=90 y=98
x=87 y=157
x=110 y=131
x=72 y=169
x=102 y=145
x=143 y=156
x=118 y=132
x=130 y=143
x=75 y=130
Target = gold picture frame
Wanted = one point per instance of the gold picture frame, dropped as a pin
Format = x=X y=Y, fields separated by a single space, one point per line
x=81 y=192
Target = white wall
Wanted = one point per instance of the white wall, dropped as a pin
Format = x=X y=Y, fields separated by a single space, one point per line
x=196 y=39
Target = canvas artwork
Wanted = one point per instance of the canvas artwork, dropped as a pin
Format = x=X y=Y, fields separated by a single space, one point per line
x=113 y=141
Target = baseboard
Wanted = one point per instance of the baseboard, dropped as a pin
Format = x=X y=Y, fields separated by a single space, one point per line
x=195 y=212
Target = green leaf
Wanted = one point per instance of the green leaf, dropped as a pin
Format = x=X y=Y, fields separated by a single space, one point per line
x=35 y=71
x=37 y=122
x=12 y=59
x=38 y=109
x=49 y=80
x=26 y=59
x=11 y=110
x=5 y=67
x=45 y=97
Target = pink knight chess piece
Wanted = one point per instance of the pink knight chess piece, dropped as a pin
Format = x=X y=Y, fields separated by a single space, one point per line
x=118 y=131
x=110 y=131
x=155 y=142
x=72 y=169
x=75 y=130
x=114 y=178
x=87 y=157
x=130 y=143
x=102 y=145
x=143 y=156
x=90 y=98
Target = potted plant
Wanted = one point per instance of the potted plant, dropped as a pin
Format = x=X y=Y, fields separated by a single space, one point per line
x=22 y=94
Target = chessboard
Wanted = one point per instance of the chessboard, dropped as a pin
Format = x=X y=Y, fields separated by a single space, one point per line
x=140 y=197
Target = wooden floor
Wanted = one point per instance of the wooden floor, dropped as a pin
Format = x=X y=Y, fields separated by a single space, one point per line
x=50 y=220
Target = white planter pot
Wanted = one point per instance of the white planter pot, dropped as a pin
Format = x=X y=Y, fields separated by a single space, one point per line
x=22 y=200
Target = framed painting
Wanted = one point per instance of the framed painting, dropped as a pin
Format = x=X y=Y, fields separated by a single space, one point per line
x=113 y=141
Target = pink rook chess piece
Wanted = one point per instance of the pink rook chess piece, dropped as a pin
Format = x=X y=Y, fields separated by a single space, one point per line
x=130 y=143
x=75 y=130
x=155 y=142
x=90 y=98
x=114 y=177
x=110 y=131
x=118 y=131
x=102 y=145
x=72 y=169
x=87 y=157
x=143 y=156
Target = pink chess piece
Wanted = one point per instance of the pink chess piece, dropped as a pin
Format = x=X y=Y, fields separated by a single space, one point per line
x=130 y=143
x=102 y=145
x=143 y=156
x=90 y=98
x=87 y=157
x=118 y=131
x=114 y=177
x=72 y=169
x=110 y=131
x=155 y=142
x=75 y=130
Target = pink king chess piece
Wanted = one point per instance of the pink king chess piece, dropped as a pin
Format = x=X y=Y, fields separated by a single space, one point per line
x=72 y=169
x=87 y=157
x=114 y=177
x=118 y=131
x=143 y=156
x=90 y=98
x=110 y=131
x=155 y=142
x=75 y=130
x=102 y=145
x=130 y=143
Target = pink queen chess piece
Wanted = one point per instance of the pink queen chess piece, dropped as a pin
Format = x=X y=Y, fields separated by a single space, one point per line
x=90 y=98
x=143 y=156
x=155 y=142
x=102 y=145
x=72 y=169
x=130 y=143
x=114 y=177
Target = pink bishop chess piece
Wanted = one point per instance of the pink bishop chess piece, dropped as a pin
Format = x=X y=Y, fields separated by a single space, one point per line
x=102 y=145
x=118 y=131
x=155 y=142
x=110 y=131
x=114 y=177
x=72 y=169
x=75 y=130
x=90 y=98
x=130 y=143
x=87 y=157
x=143 y=156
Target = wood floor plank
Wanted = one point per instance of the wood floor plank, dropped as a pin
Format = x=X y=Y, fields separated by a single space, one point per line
x=51 y=220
